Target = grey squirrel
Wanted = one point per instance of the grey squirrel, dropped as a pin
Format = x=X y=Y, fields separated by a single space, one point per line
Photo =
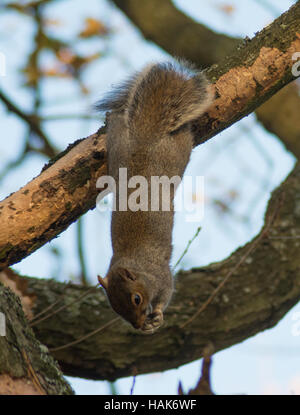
x=148 y=133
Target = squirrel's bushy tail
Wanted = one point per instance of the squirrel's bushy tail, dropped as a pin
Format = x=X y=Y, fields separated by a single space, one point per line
x=161 y=98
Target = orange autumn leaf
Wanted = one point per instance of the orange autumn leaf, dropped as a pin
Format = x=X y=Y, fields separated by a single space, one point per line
x=93 y=27
x=84 y=89
x=69 y=58
x=55 y=71
x=66 y=56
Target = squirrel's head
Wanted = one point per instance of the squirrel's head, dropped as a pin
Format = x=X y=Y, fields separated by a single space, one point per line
x=129 y=298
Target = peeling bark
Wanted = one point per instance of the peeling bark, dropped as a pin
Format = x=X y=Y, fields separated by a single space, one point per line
x=67 y=188
x=48 y=204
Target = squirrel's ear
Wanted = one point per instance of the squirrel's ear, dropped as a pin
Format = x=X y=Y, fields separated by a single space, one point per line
x=103 y=282
x=126 y=274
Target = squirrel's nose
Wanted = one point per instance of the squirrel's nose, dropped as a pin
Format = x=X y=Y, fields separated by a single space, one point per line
x=137 y=325
x=139 y=322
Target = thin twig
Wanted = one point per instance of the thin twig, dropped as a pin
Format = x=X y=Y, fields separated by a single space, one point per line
x=30 y=120
x=79 y=234
x=109 y=323
x=63 y=307
x=31 y=373
x=187 y=247
x=47 y=308
x=63 y=117
x=251 y=248
x=133 y=385
x=113 y=388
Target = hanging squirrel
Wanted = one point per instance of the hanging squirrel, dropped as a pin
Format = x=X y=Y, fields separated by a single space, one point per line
x=149 y=135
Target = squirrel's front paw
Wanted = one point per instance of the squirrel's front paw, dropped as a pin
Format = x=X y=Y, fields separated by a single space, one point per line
x=153 y=321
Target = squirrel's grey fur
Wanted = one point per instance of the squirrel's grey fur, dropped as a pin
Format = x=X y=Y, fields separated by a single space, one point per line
x=149 y=134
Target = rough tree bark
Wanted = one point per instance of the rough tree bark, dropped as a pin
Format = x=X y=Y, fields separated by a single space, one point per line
x=255 y=298
x=26 y=367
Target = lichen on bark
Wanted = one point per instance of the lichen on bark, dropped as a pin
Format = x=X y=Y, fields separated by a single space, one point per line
x=22 y=356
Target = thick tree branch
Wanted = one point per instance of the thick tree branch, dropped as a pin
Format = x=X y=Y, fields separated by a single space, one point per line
x=280 y=116
x=179 y=35
x=162 y=23
x=255 y=298
x=52 y=201
x=26 y=367
x=66 y=189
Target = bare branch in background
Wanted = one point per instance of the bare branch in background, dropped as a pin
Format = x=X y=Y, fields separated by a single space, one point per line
x=30 y=120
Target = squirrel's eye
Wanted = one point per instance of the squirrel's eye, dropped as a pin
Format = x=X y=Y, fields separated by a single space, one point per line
x=137 y=299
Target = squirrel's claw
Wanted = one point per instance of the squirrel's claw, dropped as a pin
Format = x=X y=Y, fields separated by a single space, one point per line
x=153 y=321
